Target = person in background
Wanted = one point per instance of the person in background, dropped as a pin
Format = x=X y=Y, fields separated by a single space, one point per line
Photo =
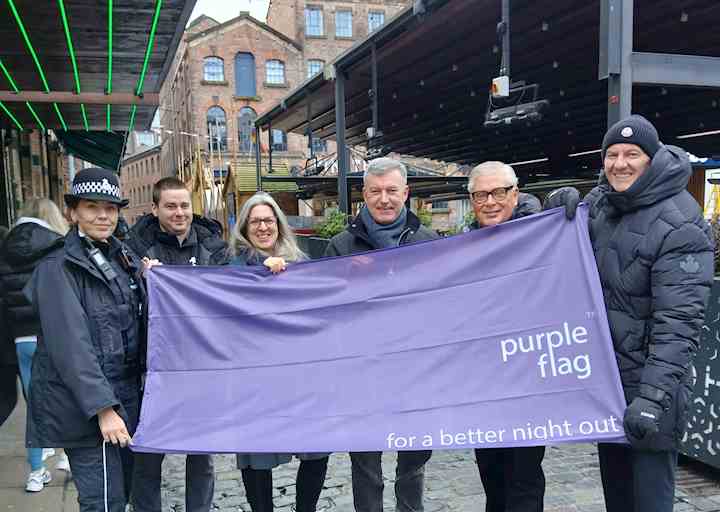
x=263 y=236
x=513 y=478
x=654 y=253
x=38 y=231
x=84 y=391
x=384 y=222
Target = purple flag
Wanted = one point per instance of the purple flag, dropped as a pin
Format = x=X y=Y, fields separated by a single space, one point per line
x=494 y=338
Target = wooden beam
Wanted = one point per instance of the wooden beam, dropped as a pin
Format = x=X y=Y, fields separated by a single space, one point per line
x=87 y=98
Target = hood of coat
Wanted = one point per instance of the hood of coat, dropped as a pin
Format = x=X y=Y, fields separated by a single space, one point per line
x=28 y=242
x=668 y=175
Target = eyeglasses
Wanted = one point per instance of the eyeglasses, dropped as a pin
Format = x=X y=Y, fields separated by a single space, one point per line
x=268 y=221
x=499 y=194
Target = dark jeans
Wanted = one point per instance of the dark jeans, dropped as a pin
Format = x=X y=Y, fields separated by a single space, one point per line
x=310 y=479
x=86 y=465
x=637 y=481
x=199 y=482
x=513 y=478
x=367 y=481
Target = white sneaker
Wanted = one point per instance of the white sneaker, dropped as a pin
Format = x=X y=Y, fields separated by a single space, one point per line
x=37 y=480
x=63 y=464
x=47 y=453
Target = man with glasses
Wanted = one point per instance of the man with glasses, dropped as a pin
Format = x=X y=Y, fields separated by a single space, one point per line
x=384 y=222
x=174 y=236
x=513 y=478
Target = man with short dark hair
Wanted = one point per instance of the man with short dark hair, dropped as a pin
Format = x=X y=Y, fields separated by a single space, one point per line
x=513 y=478
x=174 y=236
x=384 y=222
x=654 y=253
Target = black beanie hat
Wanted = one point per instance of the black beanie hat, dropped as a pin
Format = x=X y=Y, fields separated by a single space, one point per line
x=633 y=130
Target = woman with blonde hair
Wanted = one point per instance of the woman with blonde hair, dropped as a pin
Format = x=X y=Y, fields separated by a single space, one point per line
x=263 y=236
x=39 y=230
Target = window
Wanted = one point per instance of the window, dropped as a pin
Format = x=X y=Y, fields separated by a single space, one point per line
x=217 y=128
x=314 y=22
x=246 y=131
x=314 y=66
x=343 y=24
x=275 y=72
x=145 y=138
x=214 y=69
x=375 y=21
x=245 y=75
x=319 y=145
x=279 y=140
x=439 y=205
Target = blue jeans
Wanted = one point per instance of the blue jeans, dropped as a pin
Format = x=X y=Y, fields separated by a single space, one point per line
x=25 y=352
x=367 y=481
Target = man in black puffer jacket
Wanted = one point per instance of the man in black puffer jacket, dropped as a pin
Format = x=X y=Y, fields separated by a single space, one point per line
x=174 y=236
x=513 y=478
x=654 y=253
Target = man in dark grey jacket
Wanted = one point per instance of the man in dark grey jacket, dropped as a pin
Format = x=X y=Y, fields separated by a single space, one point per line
x=654 y=253
x=513 y=478
x=384 y=222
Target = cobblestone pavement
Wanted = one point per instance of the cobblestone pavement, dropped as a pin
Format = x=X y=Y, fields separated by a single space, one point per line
x=452 y=484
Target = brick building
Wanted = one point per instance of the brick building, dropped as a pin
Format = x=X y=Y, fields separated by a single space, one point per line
x=139 y=172
x=226 y=74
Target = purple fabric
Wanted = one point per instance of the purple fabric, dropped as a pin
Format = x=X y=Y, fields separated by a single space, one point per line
x=422 y=346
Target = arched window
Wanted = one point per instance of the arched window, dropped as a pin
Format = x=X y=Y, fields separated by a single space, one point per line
x=314 y=66
x=279 y=140
x=246 y=129
x=217 y=128
x=214 y=69
x=245 y=75
x=275 y=72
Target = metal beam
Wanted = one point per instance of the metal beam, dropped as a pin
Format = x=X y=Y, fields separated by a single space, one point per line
x=667 y=69
x=342 y=153
x=88 y=98
x=616 y=44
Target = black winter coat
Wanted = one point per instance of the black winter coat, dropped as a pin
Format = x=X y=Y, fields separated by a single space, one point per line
x=88 y=354
x=24 y=247
x=355 y=238
x=204 y=242
x=654 y=253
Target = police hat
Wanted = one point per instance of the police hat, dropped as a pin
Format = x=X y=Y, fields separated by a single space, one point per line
x=96 y=184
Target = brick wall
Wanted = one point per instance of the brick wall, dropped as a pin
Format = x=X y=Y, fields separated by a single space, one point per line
x=138 y=174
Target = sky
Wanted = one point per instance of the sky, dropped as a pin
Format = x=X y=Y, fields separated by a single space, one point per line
x=223 y=10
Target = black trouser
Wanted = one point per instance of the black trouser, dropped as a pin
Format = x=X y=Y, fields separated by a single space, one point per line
x=88 y=474
x=368 y=486
x=147 y=476
x=637 y=481
x=513 y=478
x=310 y=479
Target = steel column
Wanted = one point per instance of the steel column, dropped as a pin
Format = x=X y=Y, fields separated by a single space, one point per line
x=258 y=172
x=616 y=45
x=342 y=152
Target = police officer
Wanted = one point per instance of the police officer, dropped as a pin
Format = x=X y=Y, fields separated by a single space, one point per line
x=84 y=389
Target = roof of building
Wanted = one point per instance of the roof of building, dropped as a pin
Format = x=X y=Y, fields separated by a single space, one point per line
x=435 y=69
x=144 y=152
x=245 y=16
x=201 y=18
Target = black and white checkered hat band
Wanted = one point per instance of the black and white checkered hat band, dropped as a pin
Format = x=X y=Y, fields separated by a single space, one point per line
x=96 y=187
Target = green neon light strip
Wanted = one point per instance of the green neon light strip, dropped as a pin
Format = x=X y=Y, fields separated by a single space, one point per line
x=29 y=45
x=110 y=46
x=132 y=118
x=108 y=118
x=148 y=50
x=84 y=116
x=9 y=77
x=37 y=118
x=60 y=116
x=68 y=39
x=9 y=114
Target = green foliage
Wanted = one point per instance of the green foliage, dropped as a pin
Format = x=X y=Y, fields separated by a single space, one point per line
x=468 y=219
x=425 y=217
x=333 y=224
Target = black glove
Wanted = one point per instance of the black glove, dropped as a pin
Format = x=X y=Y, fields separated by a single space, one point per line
x=642 y=423
x=568 y=197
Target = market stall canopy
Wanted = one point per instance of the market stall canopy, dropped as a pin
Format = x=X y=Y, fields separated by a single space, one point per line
x=434 y=71
x=82 y=65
